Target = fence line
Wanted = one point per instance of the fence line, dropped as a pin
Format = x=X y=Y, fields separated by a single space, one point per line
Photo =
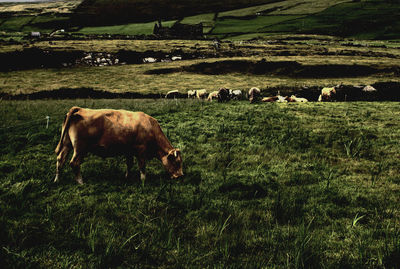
x=45 y=120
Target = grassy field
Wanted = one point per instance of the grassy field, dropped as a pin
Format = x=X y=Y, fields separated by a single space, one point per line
x=127 y=29
x=268 y=185
x=298 y=185
x=288 y=7
x=361 y=20
x=132 y=78
x=309 y=51
x=40 y=8
x=231 y=20
x=103 y=12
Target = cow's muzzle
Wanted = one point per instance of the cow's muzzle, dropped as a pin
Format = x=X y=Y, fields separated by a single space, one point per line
x=176 y=176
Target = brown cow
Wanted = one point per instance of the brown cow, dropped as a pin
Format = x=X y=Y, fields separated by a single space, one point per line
x=107 y=132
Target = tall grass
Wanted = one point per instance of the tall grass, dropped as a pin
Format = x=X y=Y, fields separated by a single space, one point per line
x=266 y=185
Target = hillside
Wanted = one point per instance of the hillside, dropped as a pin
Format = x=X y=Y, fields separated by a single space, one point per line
x=376 y=19
x=105 y=12
x=232 y=20
x=362 y=20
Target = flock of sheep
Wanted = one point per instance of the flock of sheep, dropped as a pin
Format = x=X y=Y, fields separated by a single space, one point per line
x=254 y=95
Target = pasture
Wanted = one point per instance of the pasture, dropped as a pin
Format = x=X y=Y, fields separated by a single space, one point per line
x=230 y=20
x=310 y=185
x=266 y=185
x=311 y=61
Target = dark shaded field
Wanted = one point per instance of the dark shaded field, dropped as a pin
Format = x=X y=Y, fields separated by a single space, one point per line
x=281 y=68
x=100 y=12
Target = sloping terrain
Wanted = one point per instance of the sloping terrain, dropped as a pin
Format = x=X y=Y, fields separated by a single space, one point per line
x=364 y=20
x=376 y=19
x=37 y=8
x=234 y=20
x=101 y=12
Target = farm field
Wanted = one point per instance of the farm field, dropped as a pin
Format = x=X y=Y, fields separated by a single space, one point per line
x=295 y=63
x=266 y=185
x=306 y=185
x=226 y=20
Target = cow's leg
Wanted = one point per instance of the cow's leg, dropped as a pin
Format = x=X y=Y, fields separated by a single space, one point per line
x=129 y=163
x=142 y=168
x=61 y=158
x=75 y=163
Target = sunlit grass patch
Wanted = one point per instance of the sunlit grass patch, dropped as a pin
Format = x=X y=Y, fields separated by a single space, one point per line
x=228 y=26
x=126 y=29
x=15 y=24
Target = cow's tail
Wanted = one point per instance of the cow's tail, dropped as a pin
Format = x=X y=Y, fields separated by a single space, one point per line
x=65 y=127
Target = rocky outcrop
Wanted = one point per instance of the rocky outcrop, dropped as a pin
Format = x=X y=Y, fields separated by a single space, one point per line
x=98 y=59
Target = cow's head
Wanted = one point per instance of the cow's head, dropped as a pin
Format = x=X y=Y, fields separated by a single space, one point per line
x=173 y=163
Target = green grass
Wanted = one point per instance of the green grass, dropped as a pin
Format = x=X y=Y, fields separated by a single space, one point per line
x=203 y=18
x=232 y=26
x=288 y=7
x=15 y=24
x=100 y=12
x=133 y=78
x=42 y=23
x=127 y=29
x=47 y=23
x=206 y=19
x=360 y=20
x=267 y=185
x=363 y=20
x=372 y=19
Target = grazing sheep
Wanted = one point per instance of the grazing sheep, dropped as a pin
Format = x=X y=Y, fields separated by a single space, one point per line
x=282 y=99
x=201 y=94
x=293 y=98
x=223 y=95
x=172 y=94
x=254 y=94
x=191 y=93
x=212 y=95
x=236 y=94
x=369 y=88
x=327 y=94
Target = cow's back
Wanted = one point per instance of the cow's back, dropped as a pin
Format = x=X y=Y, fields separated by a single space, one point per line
x=107 y=132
